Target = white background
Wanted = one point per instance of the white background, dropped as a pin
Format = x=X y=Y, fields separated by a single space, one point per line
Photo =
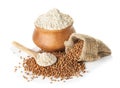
x=98 y=18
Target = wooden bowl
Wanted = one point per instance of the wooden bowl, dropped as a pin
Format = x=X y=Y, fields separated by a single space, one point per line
x=51 y=40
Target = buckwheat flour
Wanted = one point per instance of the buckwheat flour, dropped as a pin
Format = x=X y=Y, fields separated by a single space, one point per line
x=54 y=20
x=46 y=59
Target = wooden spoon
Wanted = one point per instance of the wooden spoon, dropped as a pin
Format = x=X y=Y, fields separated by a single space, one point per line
x=40 y=61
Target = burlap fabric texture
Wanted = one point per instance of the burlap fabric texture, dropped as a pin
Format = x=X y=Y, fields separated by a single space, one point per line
x=93 y=49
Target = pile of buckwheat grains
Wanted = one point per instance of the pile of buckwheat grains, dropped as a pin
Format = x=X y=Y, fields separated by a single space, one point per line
x=65 y=68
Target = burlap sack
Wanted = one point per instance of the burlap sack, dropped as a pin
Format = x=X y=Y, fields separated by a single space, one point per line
x=93 y=49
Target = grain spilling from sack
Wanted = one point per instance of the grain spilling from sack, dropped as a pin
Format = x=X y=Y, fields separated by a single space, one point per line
x=93 y=49
x=66 y=67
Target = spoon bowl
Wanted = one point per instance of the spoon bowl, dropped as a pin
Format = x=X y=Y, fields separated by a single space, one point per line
x=39 y=58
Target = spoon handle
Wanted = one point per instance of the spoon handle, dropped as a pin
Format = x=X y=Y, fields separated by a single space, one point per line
x=25 y=49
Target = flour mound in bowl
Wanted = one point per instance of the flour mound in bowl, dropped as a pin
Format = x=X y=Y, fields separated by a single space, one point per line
x=54 y=20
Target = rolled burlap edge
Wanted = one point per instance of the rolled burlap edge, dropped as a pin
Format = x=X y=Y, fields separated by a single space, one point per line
x=93 y=49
